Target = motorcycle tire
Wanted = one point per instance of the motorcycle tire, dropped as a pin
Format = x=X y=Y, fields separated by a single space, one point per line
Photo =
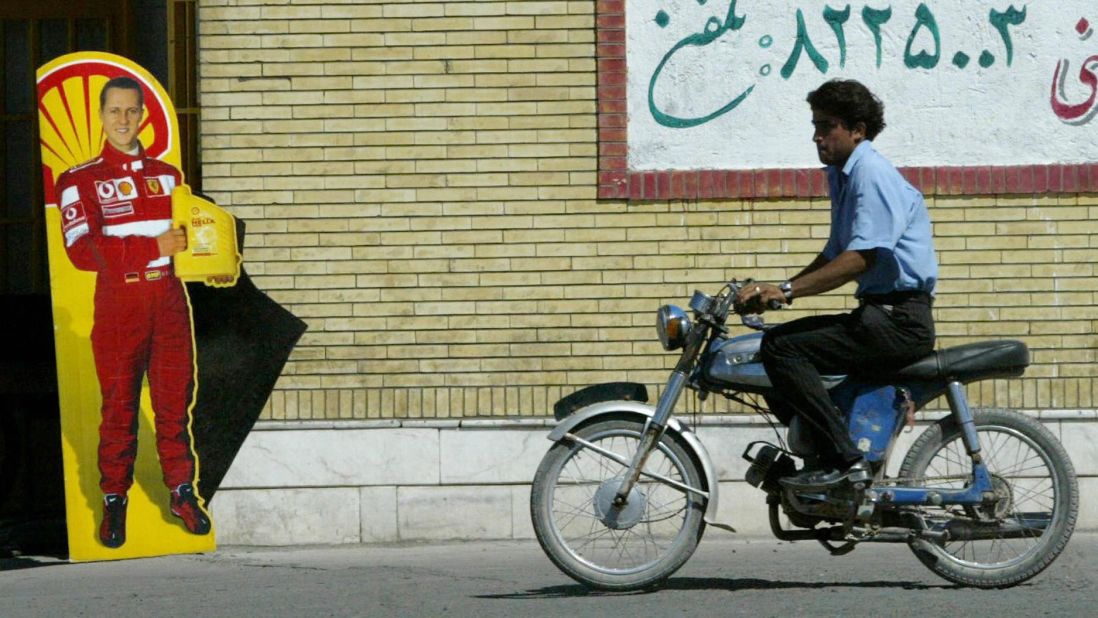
x=656 y=532
x=1030 y=470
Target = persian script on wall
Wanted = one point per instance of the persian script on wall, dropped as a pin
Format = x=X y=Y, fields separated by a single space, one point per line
x=721 y=84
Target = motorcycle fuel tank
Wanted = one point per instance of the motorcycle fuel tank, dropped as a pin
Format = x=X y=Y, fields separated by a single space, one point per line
x=735 y=363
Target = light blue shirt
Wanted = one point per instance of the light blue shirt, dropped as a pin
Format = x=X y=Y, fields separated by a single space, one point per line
x=874 y=207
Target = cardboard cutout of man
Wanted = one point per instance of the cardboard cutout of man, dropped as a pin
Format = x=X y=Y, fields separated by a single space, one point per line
x=117 y=221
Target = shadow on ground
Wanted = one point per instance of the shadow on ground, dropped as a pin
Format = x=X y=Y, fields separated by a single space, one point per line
x=712 y=583
x=16 y=563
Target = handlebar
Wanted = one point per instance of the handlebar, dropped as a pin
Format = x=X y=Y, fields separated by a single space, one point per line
x=753 y=321
x=735 y=286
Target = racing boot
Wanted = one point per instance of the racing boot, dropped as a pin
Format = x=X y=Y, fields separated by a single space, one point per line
x=185 y=506
x=858 y=472
x=112 y=530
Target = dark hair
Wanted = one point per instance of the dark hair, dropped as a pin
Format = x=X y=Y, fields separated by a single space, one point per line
x=851 y=102
x=125 y=83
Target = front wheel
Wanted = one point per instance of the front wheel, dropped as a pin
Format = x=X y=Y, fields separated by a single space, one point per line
x=616 y=547
x=1014 y=537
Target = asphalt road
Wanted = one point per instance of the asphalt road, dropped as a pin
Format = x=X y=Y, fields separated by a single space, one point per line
x=726 y=577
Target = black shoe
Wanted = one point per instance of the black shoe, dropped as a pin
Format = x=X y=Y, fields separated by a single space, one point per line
x=112 y=530
x=184 y=505
x=829 y=477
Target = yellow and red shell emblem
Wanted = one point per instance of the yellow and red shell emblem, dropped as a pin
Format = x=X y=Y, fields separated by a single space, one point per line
x=68 y=113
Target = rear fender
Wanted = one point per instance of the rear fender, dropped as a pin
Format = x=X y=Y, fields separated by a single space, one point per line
x=644 y=412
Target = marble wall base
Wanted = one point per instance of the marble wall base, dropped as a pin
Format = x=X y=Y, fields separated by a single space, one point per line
x=389 y=481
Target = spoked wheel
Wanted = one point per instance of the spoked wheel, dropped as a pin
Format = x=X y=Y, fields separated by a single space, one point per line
x=616 y=547
x=1027 y=521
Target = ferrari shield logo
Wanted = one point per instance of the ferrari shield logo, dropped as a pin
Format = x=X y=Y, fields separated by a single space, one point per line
x=153 y=185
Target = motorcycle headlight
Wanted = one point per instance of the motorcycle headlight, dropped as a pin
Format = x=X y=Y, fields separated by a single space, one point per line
x=672 y=324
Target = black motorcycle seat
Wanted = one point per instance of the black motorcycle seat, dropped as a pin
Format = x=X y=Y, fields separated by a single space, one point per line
x=1004 y=358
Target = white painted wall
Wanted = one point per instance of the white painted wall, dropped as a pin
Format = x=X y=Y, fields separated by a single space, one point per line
x=946 y=115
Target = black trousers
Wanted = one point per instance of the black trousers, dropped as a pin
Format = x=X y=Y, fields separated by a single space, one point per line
x=883 y=334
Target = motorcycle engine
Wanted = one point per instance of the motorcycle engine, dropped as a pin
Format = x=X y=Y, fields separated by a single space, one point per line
x=767 y=466
x=804 y=509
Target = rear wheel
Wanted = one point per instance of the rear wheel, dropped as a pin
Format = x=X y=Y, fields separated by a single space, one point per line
x=1024 y=528
x=608 y=547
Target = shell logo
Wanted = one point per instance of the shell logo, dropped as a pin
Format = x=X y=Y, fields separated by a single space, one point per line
x=70 y=130
x=125 y=188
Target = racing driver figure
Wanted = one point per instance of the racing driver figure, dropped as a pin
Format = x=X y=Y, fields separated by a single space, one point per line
x=117 y=221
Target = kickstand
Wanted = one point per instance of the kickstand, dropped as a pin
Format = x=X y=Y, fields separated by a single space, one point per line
x=838 y=550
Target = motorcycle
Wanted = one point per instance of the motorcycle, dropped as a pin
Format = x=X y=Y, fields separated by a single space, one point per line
x=984 y=497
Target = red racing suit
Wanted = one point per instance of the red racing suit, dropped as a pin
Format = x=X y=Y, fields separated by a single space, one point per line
x=112 y=210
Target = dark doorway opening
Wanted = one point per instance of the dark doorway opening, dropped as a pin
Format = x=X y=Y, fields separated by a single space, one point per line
x=160 y=35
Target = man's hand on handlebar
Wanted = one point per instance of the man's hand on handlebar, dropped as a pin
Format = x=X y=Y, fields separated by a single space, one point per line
x=758 y=297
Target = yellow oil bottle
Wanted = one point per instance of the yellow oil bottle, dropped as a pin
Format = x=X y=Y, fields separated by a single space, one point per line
x=211 y=255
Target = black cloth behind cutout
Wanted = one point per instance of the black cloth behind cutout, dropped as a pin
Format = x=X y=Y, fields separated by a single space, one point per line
x=242 y=341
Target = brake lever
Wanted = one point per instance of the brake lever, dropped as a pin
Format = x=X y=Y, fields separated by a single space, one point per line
x=754 y=321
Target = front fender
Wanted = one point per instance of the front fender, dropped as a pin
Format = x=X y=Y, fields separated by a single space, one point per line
x=632 y=408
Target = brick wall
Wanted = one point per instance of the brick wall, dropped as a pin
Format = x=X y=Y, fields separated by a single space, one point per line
x=419 y=182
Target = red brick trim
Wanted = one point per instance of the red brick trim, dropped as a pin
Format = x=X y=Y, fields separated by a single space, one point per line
x=616 y=181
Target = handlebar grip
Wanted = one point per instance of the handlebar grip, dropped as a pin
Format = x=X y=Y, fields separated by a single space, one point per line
x=774 y=305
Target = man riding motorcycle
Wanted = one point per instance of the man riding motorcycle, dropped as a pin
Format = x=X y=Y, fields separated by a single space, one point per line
x=881 y=237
